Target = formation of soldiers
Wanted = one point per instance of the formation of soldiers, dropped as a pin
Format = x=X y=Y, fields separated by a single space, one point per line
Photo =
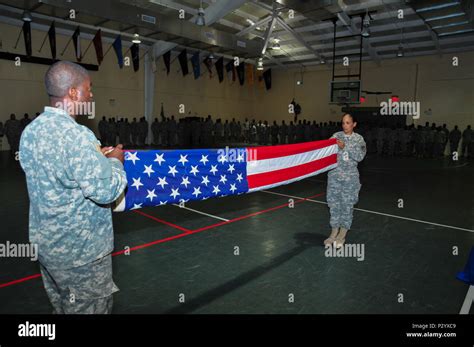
x=420 y=141
x=427 y=141
x=13 y=129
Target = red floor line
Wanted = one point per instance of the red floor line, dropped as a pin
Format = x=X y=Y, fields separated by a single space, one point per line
x=20 y=280
x=167 y=239
x=161 y=221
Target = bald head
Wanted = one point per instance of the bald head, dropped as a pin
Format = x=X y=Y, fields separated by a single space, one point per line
x=62 y=76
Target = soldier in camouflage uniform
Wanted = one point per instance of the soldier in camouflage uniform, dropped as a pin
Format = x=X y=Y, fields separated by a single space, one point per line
x=343 y=182
x=71 y=181
x=13 y=132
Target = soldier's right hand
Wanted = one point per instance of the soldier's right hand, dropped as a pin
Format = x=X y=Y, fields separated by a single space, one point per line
x=117 y=153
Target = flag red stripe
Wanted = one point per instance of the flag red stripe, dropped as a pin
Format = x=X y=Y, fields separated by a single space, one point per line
x=271 y=177
x=270 y=152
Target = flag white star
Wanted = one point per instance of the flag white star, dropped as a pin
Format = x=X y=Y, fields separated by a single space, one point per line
x=240 y=157
x=216 y=190
x=137 y=183
x=135 y=206
x=132 y=156
x=162 y=182
x=204 y=159
x=163 y=202
x=205 y=180
x=182 y=159
x=232 y=187
x=185 y=182
x=175 y=193
x=159 y=158
x=148 y=170
x=239 y=177
x=197 y=191
x=194 y=170
x=223 y=179
x=222 y=159
x=173 y=170
x=231 y=168
x=151 y=194
x=214 y=169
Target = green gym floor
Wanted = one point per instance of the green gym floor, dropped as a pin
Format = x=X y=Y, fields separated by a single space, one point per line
x=190 y=250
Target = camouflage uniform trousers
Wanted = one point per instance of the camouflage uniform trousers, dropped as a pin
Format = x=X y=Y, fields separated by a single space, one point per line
x=342 y=195
x=85 y=289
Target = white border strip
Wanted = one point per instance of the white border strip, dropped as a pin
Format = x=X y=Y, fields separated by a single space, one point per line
x=379 y=213
x=266 y=165
x=203 y=213
x=314 y=173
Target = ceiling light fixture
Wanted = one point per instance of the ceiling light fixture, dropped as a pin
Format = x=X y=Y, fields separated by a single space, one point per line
x=200 y=16
x=136 y=38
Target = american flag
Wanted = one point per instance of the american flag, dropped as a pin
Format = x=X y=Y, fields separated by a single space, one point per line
x=159 y=177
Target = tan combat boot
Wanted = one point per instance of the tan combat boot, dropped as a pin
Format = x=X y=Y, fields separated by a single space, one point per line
x=341 y=238
x=330 y=240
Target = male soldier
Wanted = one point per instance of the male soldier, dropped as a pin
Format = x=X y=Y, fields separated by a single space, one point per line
x=25 y=121
x=112 y=132
x=419 y=142
x=195 y=132
x=233 y=130
x=122 y=131
x=380 y=137
x=446 y=136
x=299 y=132
x=404 y=140
x=274 y=131
x=429 y=140
x=253 y=131
x=134 y=131
x=454 y=138
x=218 y=129
x=440 y=142
x=466 y=142
x=103 y=131
x=164 y=132
x=71 y=181
x=142 y=131
x=226 y=131
x=291 y=132
x=172 y=131
x=266 y=133
x=246 y=129
x=306 y=131
x=283 y=132
x=155 y=126
x=128 y=132
x=13 y=132
x=391 y=140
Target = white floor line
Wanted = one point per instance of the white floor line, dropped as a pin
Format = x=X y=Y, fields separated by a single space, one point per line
x=374 y=212
x=203 y=213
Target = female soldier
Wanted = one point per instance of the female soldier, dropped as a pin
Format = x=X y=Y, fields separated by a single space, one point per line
x=343 y=181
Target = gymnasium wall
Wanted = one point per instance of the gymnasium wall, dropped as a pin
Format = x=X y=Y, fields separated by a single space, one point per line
x=448 y=91
x=445 y=90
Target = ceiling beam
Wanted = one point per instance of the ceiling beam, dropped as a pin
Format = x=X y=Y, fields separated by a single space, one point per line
x=298 y=37
x=253 y=26
x=123 y=12
x=347 y=21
